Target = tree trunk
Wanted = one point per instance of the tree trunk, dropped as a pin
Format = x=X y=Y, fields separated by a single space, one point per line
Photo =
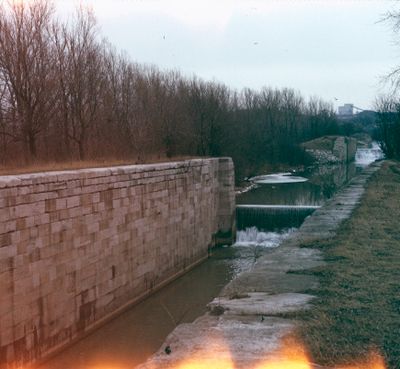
x=81 y=148
x=32 y=145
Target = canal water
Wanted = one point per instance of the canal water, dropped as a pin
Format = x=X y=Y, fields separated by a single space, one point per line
x=136 y=334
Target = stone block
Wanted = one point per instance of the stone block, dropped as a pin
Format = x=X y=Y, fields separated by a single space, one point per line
x=73 y=201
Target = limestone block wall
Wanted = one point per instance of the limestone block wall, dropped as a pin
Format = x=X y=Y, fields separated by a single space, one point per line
x=332 y=149
x=226 y=209
x=351 y=149
x=77 y=246
x=344 y=148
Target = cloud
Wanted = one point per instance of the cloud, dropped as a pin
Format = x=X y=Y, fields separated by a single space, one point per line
x=318 y=46
x=193 y=14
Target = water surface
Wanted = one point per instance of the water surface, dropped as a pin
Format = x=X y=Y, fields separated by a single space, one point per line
x=135 y=335
x=310 y=187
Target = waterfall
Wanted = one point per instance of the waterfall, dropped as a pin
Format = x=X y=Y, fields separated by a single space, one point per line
x=366 y=156
x=253 y=237
x=271 y=217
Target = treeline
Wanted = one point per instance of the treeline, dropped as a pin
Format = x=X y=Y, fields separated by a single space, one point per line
x=388 y=132
x=65 y=94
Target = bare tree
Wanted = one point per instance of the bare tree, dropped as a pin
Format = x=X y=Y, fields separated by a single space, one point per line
x=81 y=79
x=388 y=108
x=66 y=94
x=27 y=69
x=208 y=105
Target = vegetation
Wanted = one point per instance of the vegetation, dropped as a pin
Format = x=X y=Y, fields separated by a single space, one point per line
x=389 y=126
x=358 y=305
x=388 y=106
x=364 y=122
x=66 y=95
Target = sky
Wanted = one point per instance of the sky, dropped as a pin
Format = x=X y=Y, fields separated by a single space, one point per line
x=335 y=49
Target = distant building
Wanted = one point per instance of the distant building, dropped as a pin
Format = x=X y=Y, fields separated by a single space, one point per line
x=346 y=109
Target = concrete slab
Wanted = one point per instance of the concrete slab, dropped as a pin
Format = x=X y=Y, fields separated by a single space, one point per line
x=209 y=341
x=260 y=303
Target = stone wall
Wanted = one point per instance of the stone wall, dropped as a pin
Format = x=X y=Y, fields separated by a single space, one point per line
x=345 y=148
x=332 y=149
x=77 y=247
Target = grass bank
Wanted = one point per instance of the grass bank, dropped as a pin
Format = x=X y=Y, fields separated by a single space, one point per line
x=358 y=304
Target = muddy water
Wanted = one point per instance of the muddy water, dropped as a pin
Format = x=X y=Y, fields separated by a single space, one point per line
x=132 y=337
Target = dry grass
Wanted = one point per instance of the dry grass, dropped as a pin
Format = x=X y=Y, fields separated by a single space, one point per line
x=70 y=165
x=358 y=305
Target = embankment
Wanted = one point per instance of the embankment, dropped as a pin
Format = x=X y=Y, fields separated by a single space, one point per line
x=358 y=305
x=77 y=247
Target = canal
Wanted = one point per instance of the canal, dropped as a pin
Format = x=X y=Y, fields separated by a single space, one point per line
x=136 y=334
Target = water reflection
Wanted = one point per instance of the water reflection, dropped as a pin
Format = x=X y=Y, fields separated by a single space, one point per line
x=323 y=182
x=278 y=178
x=305 y=193
x=271 y=217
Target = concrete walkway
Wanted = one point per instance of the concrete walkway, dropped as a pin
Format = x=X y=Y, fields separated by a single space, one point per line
x=242 y=330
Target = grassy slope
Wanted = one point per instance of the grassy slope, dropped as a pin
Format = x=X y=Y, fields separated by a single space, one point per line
x=358 y=308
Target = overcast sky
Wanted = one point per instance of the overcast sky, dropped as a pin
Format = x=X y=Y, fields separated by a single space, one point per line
x=328 y=48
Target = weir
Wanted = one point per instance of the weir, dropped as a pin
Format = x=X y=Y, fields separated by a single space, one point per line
x=272 y=217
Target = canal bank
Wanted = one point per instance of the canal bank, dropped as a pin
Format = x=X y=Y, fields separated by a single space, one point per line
x=355 y=319
x=242 y=329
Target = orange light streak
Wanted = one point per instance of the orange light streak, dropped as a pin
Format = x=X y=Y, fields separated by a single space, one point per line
x=291 y=355
x=373 y=361
x=214 y=354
